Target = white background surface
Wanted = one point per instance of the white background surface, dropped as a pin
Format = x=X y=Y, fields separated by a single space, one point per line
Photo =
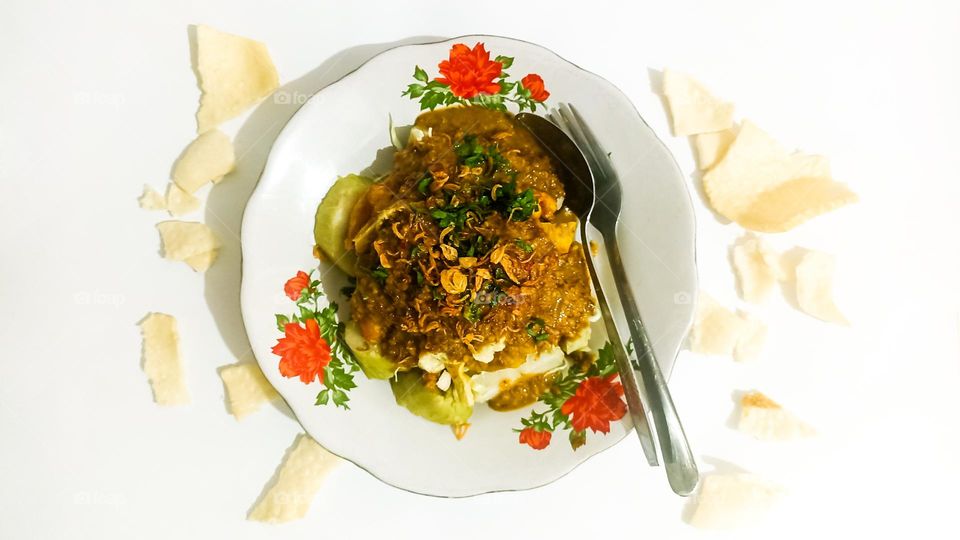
x=94 y=102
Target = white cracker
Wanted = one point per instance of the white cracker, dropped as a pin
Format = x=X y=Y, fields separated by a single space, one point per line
x=297 y=482
x=234 y=72
x=730 y=501
x=161 y=359
x=247 y=389
x=693 y=108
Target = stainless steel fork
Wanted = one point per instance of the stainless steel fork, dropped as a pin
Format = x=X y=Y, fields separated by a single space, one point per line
x=681 y=468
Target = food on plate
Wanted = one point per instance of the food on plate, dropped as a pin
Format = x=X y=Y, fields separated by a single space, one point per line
x=373 y=364
x=763 y=187
x=207 y=159
x=247 y=389
x=765 y=419
x=756 y=266
x=453 y=406
x=188 y=241
x=179 y=202
x=711 y=147
x=333 y=216
x=469 y=286
x=161 y=359
x=296 y=483
x=234 y=73
x=151 y=200
x=729 y=501
x=813 y=278
x=693 y=109
x=466 y=287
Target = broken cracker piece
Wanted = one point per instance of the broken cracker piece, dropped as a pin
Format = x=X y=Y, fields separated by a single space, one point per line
x=187 y=241
x=711 y=147
x=693 y=109
x=297 y=482
x=814 y=285
x=750 y=340
x=765 y=419
x=791 y=203
x=180 y=202
x=151 y=200
x=207 y=159
x=755 y=162
x=234 y=73
x=757 y=268
x=161 y=359
x=715 y=328
x=763 y=187
x=730 y=501
x=247 y=389
x=202 y=262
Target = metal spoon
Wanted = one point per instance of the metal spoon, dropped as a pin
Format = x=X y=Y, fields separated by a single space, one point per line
x=578 y=184
x=678 y=459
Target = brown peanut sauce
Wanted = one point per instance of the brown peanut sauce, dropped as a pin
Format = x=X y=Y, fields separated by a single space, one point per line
x=522 y=392
x=454 y=252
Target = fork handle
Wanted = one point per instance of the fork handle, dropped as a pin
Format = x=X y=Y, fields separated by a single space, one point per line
x=681 y=468
x=628 y=377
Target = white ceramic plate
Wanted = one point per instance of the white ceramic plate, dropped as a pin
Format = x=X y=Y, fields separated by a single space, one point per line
x=340 y=130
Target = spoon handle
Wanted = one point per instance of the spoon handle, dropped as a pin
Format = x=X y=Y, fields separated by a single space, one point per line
x=631 y=388
x=678 y=459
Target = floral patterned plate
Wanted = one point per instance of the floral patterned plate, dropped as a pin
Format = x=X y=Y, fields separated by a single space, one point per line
x=291 y=307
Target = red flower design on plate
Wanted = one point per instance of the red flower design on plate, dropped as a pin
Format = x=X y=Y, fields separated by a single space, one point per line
x=596 y=403
x=295 y=285
x=538 y=440
x=303 y=352
x=470 y=72
x=534 y=83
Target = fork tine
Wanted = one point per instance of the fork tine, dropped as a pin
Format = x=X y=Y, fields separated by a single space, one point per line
x=553 y=117
x=591 y=141
x=561 y=123
x=575 y=131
